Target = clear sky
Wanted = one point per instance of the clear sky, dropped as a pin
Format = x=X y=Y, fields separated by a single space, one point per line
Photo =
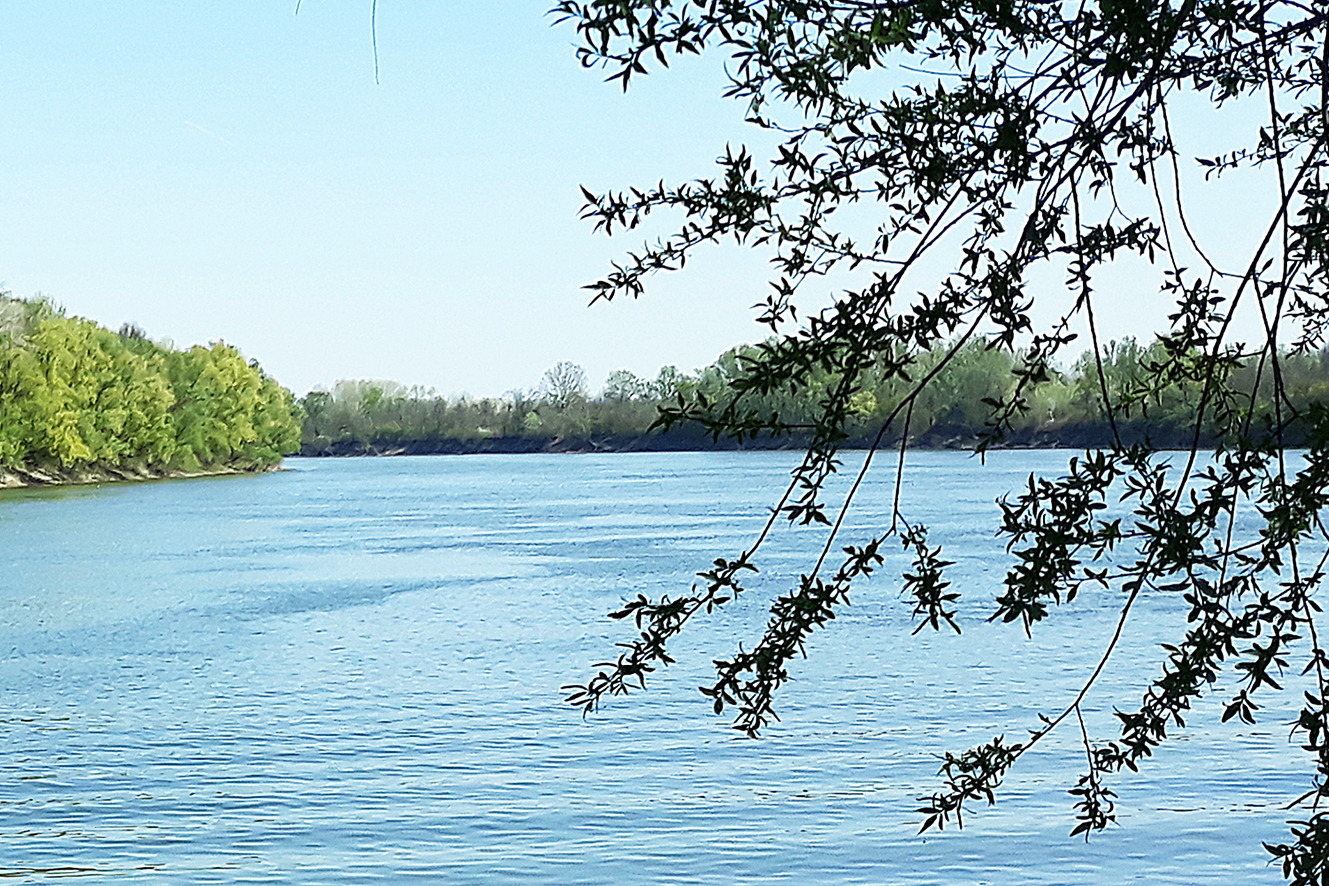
x=232 y=170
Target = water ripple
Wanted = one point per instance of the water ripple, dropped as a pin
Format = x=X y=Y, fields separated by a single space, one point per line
x=349 y=672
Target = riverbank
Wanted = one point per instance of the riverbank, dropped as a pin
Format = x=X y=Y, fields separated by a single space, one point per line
x=525 y=445
x=96 y=474
x=942 y=437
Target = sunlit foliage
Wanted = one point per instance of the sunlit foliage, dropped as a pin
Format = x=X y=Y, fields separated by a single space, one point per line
x=73 y=393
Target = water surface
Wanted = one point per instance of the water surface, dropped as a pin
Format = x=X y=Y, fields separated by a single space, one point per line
x=349 y=672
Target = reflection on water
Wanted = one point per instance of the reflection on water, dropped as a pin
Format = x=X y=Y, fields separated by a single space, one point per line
x=350 y=671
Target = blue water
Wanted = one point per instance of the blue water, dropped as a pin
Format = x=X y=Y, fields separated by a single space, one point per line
x=349 y=672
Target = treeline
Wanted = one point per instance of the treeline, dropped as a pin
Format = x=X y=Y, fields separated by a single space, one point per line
x=956 y=407
x=953 y=410
x=359 y=417
x=76 y=394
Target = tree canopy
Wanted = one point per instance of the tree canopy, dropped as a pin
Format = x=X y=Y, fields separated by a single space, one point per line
x=74 y=393
x=964 y=168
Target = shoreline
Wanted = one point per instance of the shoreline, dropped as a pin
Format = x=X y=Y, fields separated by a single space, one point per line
x=936 y=440
x=97 y=474
x=940 y=438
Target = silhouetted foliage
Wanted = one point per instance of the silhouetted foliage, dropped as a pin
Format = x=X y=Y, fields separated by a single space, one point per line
x=1040 y=137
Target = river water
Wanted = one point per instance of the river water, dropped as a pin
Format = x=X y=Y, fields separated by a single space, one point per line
x=350 y=671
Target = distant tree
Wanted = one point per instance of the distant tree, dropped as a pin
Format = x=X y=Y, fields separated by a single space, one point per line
x=316 y=403
x=563 y=385
x=624 y=385
x=12 y=316
x=132 y=332
x=667 y=383
x=1010 y=143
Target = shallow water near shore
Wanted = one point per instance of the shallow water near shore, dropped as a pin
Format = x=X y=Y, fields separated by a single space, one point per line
x=350 y=671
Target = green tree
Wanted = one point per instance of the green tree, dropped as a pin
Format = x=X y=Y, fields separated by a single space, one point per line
x=564 y=385
x=1042 y=137
x=23 y=401
x=95 y=400
x=624 y=385
x=72 y=392
x=973 y=375
x=227 y=411
x=277 y=422
x=564 y=410
x=667 y=382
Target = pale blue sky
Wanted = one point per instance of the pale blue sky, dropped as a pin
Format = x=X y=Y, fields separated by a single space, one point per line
x=231 y=170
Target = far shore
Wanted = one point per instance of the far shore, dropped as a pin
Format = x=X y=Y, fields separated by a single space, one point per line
x=938 y=438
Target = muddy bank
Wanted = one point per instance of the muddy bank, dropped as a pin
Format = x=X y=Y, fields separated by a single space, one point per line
x=691 y=439
x=86 y=475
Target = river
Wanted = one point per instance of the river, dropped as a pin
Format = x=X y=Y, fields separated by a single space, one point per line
x=350 y=672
